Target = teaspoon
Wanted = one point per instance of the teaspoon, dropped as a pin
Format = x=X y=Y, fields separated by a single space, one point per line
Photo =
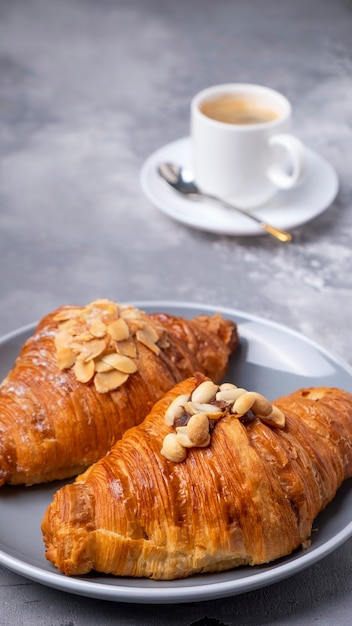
x=182 y=180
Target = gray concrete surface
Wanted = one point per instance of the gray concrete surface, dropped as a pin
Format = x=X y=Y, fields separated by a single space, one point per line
x=88 y=90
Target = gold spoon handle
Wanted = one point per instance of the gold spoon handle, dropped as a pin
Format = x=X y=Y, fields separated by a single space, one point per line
x=281 y=235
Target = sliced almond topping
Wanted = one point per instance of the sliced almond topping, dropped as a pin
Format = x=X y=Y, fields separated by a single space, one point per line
x=135 y=324
x=71 y=328
x=97 y=328
x=62 y=339
x=150 y=332
x=67 y=314
x=118 y=330
x=65 y=358
x=146 y=338
x=153 y=347
x=84 y=371
x=83 y=337
x=120 y=362
x=101 y=366
x=102 y=306
x=106 y=335
x=92 y=349
x=107 y=381
x=127 y=347
x=130 y=312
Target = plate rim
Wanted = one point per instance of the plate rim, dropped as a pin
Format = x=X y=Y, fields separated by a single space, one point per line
x=163 y=592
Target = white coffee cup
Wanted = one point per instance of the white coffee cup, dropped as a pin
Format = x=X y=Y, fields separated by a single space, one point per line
x=241 y=148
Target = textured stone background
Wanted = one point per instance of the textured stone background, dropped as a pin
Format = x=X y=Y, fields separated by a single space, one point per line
x=88 y=90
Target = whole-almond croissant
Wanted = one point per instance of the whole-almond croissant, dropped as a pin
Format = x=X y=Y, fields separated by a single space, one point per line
x=90 y=373
x=214 y=478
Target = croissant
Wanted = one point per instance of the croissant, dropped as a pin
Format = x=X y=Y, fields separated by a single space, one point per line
x=214 y=478
x=90 y=373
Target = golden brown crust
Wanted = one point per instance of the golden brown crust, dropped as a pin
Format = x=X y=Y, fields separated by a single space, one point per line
x=250 y=497
x=53 y=426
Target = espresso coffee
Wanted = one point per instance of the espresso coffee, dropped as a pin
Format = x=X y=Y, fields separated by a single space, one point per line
x=238 y=109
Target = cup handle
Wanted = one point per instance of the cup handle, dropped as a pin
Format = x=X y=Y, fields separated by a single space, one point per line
x=298 y=162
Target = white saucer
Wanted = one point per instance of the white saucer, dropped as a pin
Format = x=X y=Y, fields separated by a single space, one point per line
x=287 y=210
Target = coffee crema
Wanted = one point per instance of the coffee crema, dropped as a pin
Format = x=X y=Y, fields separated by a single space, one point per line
x=234 y=109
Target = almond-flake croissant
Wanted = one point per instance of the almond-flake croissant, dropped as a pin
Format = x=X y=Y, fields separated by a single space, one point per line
x=90 y=373
x=214 y=478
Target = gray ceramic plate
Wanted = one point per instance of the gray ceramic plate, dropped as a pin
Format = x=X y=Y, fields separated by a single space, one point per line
x=273 y=360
